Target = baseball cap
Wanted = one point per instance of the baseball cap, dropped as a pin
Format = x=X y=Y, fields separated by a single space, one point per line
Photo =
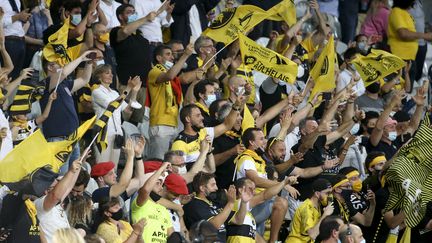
x=101 y=169
x=176 y=183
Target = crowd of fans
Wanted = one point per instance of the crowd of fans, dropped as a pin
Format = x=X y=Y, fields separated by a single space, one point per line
x=180 y=164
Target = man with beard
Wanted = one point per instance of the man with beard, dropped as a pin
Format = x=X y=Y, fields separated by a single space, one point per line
x=308 y=217
x=202 y=206
x=251 y=165
x=194 y=131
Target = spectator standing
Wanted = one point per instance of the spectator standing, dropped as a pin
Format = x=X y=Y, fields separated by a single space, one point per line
x=109 y=8
x=348 y=17
x=14 y=19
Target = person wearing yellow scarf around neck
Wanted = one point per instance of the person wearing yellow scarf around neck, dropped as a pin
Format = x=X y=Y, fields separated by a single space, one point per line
x=164 y=108
x=354 y=204
x=22 y=127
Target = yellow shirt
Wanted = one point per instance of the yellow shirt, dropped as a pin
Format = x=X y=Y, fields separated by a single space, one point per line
x=109 y=232
x=163 y=109
x=158 y=220
x=190 y=145
x=244 y=233
x=399 y=19
x=305 y=217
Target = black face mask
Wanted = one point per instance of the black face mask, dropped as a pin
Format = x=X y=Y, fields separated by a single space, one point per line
x=117 y=215
x=260 y=151
x=373 y=88
x=370 y=129
x=212 y=196
x=196 y=128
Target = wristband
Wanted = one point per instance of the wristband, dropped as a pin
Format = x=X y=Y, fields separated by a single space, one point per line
x=138 y=158
x=355 y=119
x=88 y=27
x=311 y=104
x=236 y=108
x=125 y=92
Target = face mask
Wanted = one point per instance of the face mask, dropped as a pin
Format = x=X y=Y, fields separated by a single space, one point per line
x=185 y=65
x=240 y=90
x=182 y=170
x=355 y=129
x=117 y=215
x=76 y=19
x=104 y=38
x=357 y=186
x=210 y=99
x=168 y=65
x=362 y=46
x=373 y=88
x=132 y=18
x=339 y=241
x=300 y=71
x=324 y=201
x=392 y=136
x=100 y=62
x=363 y=241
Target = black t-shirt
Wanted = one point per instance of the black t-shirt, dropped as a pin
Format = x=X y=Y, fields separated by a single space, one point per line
x=132 y=55
x=378 y=227
x=355 y=203
x=312 y=158
x=332 y=152
x=14 y=216
x=388 y=149
x=225 y=172
x=197 y=210
x=208 y=121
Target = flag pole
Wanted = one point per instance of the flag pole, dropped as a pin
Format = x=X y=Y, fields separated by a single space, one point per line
x=88 y=147
x=215 y=55
x=58 y=80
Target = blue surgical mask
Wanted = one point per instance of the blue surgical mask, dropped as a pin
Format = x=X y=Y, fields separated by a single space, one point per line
x=76 y=19
x=132 y=18
x=355 y=129
x=168 y=65
x=210 y=99
x=362 y=46
x=392 y=136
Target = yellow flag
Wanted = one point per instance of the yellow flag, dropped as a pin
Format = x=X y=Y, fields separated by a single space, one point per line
x=232 y=21
x=323 y=72
x=284 y=11
x=267 y=61
x=35 y=152
x=57 y=48
x=248 y=120
x=377 y=65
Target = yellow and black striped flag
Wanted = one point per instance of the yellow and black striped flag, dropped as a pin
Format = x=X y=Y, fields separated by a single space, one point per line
x=28 y=92
x=410 y=176
x=100 y=125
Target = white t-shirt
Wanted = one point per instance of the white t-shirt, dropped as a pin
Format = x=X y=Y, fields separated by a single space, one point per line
x=291 y=138
x=175 y=218
x=50 y=221
x=110 y=13
x=344 y=79
x=249 y=165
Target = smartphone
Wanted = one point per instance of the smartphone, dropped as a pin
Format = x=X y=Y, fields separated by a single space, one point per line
x=92 y=55
x=34 y=77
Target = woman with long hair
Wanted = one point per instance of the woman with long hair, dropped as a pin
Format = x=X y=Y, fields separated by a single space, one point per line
x=112 y=228
x=79 y=212
x=69 y=235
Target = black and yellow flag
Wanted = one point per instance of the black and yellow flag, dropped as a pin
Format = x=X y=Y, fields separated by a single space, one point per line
x=377 y=65
x=267 y=61
x=323 y=72
x=34 y=153
x=284 y=11
x=56 y=50
x=410 y=176
x=101 y=124
x=28 y=92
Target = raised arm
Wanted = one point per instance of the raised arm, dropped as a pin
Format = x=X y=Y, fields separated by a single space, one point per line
x=138 y=180
x=377 y=132
x=230 y=119
x=63 y=187
x=271 y=113
x=175 y=70
x=131 y=28
x=220 y=219
x=117 y=189
x=419 y=99
x=40 y=119
x=144 y=191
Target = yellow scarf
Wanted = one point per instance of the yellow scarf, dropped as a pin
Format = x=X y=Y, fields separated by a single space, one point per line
x=31 y=210
x=205 y=109
x=232 y=134
x=20 y=123
x=251 y=154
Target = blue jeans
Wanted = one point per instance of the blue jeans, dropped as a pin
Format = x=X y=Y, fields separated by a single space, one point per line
x=16 y=49
x=261 y=213
x=74 y=155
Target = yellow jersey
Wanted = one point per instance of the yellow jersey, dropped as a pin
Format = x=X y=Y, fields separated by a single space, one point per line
x=305 y=217
x=190 y=145
x=244 y=233
x=398 y=19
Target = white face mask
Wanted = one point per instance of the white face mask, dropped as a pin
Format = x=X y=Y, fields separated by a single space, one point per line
x=355 y=129
x=168 y=65
x=210 y=99
x=392 y=136
x=240 y=90
x=182 y=170
x=100 y=62
x=363 y=241
x=76 y=19
x=300 y=71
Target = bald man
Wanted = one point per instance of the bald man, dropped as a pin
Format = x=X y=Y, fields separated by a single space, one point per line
x=351 y=233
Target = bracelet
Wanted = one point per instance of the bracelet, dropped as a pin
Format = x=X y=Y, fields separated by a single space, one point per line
x=88 y=27
x=310 y=104
x=236 y=108
x=355 y=119
x=133 y=231
x=138 y=158
x=125 y=92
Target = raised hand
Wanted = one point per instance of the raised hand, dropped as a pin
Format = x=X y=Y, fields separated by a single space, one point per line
x=420 y=97
x=245 y=194
x=140 y=143
x=129 y=148
x=231 y=194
